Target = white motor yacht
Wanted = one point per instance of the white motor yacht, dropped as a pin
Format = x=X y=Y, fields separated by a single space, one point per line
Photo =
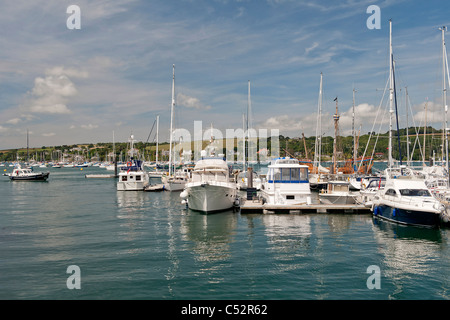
x=286 y=183
x=210 y=187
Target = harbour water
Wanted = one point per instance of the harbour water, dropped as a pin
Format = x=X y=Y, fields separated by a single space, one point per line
x=147 y=245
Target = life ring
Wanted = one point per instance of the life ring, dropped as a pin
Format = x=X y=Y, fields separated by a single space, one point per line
x=129 y=164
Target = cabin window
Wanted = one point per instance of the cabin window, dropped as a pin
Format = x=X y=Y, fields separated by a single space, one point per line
x=138 y=178
x=304 y=174
x=290 y=197
x=415 y=193
x=295 y=174
x=391 y=192
x=285 y=174
x=277 y=175
x=124 y=178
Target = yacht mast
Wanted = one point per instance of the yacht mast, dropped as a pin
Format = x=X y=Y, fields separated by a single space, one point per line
x=354 y=133
x=391 y=96
x=407 y=125
x=157 y=139
x=444 y=96
x=318 y=144
x=425 y=134
x=336 y=133
x=171 y=121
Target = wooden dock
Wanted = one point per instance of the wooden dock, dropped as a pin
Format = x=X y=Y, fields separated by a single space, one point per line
x=256 y=206
x=99 y=176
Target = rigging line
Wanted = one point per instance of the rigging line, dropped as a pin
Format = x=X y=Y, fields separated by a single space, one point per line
x=373 y=125
x=151 y=131
x=396 y=112
x=417 y=141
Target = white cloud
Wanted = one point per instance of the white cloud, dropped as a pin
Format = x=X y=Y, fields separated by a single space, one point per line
x=190 y=102
x=14 y=121
x=49 y=134
x=89 y=126
x=51 y=93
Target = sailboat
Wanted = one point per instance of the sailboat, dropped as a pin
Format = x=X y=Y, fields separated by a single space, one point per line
x=156 y=173
x=174 y=181
x=243 y=177
x=405 y=198
x=318 y=173
x=338 y=191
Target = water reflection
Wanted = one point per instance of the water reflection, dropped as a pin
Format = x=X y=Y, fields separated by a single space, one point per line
x=209 y=238
x=130 y=201
x=210 y=234
x=411 y=254
x=288 y=237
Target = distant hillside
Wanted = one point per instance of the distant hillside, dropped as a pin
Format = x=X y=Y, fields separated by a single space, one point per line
x=288 y=147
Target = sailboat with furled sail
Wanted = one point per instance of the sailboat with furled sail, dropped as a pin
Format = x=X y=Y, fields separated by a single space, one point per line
x=175 y=180
x=405 y=198
x=338 y=191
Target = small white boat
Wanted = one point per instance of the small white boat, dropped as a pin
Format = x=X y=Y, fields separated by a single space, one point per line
x=337 y=192
x=178 y=180
x=286 y=183
x=132 y=177
x=242 y=180
x=369 y=188
x=210 y=188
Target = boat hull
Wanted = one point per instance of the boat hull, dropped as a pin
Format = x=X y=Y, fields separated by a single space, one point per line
x=327 y=198
x=407 y=217
x=36 y=177
x=130 y=182
x=209 y=198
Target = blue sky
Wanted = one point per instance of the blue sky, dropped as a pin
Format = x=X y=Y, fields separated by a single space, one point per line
x=115 y=73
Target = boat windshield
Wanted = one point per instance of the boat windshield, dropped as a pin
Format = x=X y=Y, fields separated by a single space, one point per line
x=415 y=192
x=287 y=175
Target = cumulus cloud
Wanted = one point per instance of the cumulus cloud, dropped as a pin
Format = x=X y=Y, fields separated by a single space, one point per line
x=190 y=102
x=51 y=93
x=365 y=115
x=89 y=126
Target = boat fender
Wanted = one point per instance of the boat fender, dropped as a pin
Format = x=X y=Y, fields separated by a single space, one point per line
x=183 y=194
x=376 y=211
x=394 y=212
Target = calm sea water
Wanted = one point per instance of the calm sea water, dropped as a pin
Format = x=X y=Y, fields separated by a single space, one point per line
x=145 y=245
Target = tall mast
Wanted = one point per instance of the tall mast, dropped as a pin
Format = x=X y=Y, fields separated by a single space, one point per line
x=318 y=144
x=249 y=110
x=243 y=142
x=336 y=133
x=249 y=125
x=354 y=133
x=425 y=134
x=391 y=96
x=28 y=158
x=157 y=139
x=171 y=121
x=407 y=125
x=444 y=94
